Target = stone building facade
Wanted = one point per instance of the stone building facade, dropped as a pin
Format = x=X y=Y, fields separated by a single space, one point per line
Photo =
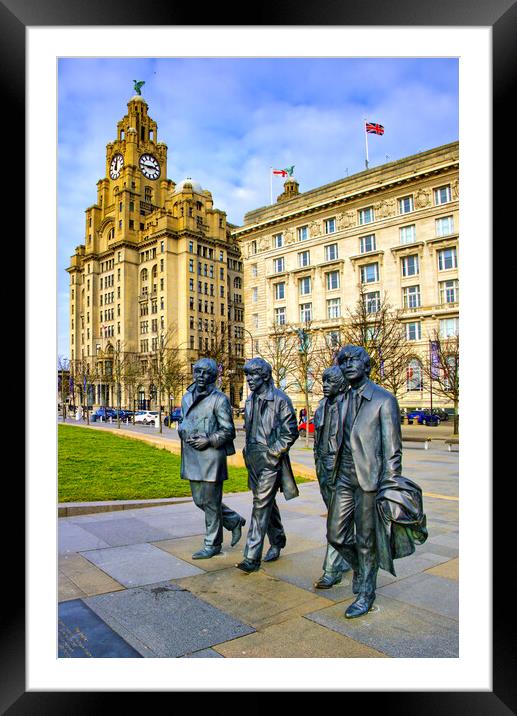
x=390 y=232
x=159 y=269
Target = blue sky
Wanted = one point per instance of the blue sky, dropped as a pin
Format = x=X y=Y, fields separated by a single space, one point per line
x=227 y=121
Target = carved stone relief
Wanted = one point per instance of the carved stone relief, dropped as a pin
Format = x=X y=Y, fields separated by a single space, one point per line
x=422 y=198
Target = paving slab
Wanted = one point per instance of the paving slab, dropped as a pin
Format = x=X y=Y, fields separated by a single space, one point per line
x=303 y=568
x=229 y=556
x=395 y=628
x=448 y=570
x=73 y=538
x=83 y=634
x=203 y=654
x=67 y=590
x=433 y=593
x=297 y=638
x=256 y=599
x=450 y=539
x=448 y=552
x=139 y=564
x=88 y=578
x=123 y=531
x=165 y=620
x=416 y=563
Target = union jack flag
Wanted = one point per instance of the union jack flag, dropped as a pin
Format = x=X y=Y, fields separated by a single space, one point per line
x=372 y=128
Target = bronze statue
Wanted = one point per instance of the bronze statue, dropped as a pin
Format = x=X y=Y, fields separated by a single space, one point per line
x=328 y=433
x=370 y=452
x=271 y=429
x=207 y=433
x=138 y=84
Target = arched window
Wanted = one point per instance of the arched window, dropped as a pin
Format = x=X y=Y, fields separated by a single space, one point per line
x=143 y=275
x=237 y=282
x=414 y=375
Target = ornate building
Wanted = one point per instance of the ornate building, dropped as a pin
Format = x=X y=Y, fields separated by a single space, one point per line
x=389 y=233
x=159 y=274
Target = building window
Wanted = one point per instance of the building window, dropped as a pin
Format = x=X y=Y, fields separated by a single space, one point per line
x=370 y=273
x=407 y=234
x=332 y=280
x=254 y=270
x=303 y=233
x=411 y=297
x=406 y=205
x=279 y=291
x=447 y=259
x=414 y=375
x=305 y=312
x=333 y=339
x=442 y=195
x=304 y=258
x=191 y=265
x=255 y=320
x=278 y=264
x=372 y=301
x=305 y=285
x=280 y=316
x=331 y=252
x=367 y=243
x=278 y=241
x=413 y=331
x=333 y=308
x=410 y=265
x=330 y=226
x=254 y=294
x=253 y=247
x=444 y=226
x=366 y=216
x=449 y=327
x=449 y=291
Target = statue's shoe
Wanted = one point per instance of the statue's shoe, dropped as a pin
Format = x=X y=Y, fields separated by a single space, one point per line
x=326 y=581
x=237 y=532
x=248 y=566
x=362 y=605
x=272 y=554
x=206 y=552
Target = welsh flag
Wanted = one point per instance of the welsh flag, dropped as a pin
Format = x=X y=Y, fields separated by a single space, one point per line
x=284 y=172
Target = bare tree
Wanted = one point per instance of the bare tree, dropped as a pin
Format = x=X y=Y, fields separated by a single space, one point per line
x=172 y=368
x=63 y=382
x=304 y=367
x=324 y=355
x=376 y=325
x=131 y=377
x=280 y=350
x=441 y=367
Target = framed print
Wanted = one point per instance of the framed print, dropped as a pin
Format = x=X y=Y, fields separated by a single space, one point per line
x=34 y=37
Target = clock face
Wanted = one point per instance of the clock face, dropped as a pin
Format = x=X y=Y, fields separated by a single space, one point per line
x=149 y=166
x=116 y=165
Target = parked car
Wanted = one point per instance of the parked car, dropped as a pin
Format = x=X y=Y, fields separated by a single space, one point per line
x=104 y=413
x=424 y=417
x=173 y=417
x=302 y=427
x=443 y=414
x=146 y=417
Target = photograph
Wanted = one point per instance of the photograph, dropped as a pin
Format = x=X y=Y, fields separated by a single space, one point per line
x=258 y=300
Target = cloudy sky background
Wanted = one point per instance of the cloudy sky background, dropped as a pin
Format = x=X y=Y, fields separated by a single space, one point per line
x=227 y=121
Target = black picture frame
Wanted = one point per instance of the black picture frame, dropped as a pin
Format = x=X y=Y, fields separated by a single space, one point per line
x=501 y=16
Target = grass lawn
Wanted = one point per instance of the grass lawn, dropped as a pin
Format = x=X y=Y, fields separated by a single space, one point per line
x=95 y=466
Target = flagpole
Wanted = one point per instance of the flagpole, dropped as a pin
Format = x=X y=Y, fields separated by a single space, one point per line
x=270 y=185
x=365 y=142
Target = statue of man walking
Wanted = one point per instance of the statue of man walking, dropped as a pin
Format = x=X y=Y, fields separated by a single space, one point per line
x=271 y=429
x=207 y=433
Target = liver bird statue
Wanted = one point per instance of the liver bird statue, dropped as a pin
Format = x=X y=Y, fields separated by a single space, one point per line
x=138 y=84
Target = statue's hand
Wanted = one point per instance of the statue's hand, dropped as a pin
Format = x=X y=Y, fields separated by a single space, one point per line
x=199 y=442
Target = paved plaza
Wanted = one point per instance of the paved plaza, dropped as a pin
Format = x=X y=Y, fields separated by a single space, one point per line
x=128 y=586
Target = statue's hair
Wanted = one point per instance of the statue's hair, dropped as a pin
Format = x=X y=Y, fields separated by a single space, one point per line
x=260 y=366
x=207 y=363
x=354 y=350
x=335 y=372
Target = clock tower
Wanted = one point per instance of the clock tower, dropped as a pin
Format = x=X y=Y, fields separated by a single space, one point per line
x=135 y=284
